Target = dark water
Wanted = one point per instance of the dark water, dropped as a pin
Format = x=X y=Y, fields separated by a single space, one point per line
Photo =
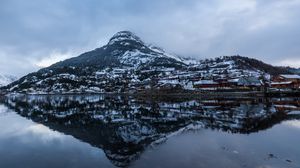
x=119 y=131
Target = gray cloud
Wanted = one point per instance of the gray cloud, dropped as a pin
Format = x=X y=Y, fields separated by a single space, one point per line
x=39 y=31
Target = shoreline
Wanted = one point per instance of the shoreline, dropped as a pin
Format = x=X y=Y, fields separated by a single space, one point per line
x=178 y=94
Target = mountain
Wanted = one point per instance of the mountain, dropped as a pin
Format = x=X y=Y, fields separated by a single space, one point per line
x=6 y=79
x=127 y=64
x=124 y=49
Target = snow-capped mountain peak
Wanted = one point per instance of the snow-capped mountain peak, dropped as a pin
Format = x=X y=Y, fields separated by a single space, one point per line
x=124 y=37
x=124 y=50
x=131 y=51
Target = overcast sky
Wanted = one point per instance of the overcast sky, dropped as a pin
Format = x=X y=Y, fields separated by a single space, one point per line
x=37 y=33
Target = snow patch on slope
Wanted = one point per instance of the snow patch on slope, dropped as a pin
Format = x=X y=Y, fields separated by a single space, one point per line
x=187 y=61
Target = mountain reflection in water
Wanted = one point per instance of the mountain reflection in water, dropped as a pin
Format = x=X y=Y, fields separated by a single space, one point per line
x=124 y=126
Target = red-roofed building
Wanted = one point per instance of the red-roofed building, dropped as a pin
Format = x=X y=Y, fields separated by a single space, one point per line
x=286 y=81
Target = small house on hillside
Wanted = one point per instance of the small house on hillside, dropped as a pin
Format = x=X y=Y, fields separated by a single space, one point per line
x=246 y=82
x=206 y=85
x=100 y=74
x=249 y=82
x=286 y=81
x=119 y=71
x=169 y=80
x=285 y=78
x=284 y=85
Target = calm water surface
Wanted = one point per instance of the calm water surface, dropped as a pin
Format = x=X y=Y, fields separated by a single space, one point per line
x=117 y=131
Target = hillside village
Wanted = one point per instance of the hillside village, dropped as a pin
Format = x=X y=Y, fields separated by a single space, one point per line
x=219 y=77
x=222 y=76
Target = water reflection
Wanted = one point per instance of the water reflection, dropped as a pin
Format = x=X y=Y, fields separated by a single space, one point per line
x=24 y=143
x=124 y=126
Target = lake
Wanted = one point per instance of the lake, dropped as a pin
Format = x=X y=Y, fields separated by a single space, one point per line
x=89 y=131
